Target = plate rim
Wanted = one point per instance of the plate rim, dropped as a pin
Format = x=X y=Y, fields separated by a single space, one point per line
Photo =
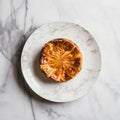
x=34 y=90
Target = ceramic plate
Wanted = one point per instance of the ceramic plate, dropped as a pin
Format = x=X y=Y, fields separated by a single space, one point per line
x=81 y=83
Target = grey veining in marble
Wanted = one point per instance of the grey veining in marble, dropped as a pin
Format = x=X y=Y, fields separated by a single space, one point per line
x=19 y=18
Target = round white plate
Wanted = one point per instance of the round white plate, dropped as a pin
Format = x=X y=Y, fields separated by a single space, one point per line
x=81 y=83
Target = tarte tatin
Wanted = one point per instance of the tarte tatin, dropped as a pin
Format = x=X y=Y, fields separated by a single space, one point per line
x=60 y=59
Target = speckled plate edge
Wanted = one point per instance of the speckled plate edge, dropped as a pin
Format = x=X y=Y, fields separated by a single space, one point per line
x=35 y=90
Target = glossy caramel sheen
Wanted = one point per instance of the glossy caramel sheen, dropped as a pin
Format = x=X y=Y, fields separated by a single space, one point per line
x=60 y=59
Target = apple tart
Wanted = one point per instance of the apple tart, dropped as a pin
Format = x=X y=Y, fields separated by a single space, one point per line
x=60 y=59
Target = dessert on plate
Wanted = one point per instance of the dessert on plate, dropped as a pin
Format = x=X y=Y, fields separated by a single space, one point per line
x=60 y=59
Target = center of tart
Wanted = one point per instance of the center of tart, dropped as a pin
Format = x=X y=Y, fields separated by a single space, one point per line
x=60 y=60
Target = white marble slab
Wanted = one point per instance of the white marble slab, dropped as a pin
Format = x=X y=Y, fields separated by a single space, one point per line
x=18 y=18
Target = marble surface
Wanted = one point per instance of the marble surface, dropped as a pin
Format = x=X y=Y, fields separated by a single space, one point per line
x=19 y=18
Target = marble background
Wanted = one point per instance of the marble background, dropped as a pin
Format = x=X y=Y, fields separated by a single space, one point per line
x=19 y=18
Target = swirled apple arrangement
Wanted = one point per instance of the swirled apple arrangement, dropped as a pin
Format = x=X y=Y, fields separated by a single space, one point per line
x=60 y=59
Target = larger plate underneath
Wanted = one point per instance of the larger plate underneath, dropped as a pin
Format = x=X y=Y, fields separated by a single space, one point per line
x=80 y=84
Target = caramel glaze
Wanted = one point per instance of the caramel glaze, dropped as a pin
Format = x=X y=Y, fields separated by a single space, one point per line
x=60 y=59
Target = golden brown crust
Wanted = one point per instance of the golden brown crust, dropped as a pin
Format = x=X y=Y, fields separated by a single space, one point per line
x=60 y=59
